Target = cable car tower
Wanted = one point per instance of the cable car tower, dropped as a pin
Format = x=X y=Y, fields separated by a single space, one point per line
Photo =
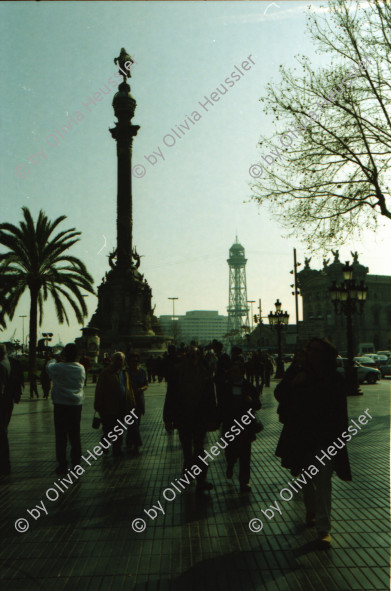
x=237 y=307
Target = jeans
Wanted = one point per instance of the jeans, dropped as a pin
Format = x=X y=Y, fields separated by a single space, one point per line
x=317 y=497
x=192 y=441
x=239 y=449
x=67 y=425
x=33 y=390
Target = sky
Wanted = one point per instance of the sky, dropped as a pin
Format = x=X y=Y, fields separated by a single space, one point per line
x=189 y=206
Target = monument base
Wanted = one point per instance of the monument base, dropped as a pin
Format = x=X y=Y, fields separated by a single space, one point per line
x=124 y=317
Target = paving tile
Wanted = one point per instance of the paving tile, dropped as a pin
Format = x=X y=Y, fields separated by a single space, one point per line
x=87 y=542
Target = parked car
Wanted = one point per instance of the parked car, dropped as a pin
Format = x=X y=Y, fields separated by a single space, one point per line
x=382 y=360
x=386 y=353
x=378 y=359
x=367 y=361
x=364 y=373
x=385 y=369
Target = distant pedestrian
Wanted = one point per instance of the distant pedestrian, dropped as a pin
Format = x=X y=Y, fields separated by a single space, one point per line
x=46 y=382
x=236 y=398
x=313 y=409
x=68 y=395
x=11 y=385
x=268 y=369
x=236 y=353
x=114 y=398
x=250 y=368
x=139 y=383
x=191 y=406
x=149 y=365
x=222 y=365
x=259 y=370
x=171 y=364
x=33 y=384
x=86 y=363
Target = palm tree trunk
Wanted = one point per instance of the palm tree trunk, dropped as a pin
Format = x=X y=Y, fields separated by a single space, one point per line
x=33 y=328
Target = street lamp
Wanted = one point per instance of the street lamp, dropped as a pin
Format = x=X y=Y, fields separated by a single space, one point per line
x=349 y=298
x=173 y=317
x=252 y=317
x=279 y=320
x=47 y=338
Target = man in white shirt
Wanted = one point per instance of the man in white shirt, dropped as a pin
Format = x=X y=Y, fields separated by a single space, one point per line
x=68 y=395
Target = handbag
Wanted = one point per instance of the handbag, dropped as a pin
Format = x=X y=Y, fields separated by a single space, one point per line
x=96 y=422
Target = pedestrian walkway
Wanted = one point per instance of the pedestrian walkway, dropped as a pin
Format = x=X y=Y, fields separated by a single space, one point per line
x=86 y=540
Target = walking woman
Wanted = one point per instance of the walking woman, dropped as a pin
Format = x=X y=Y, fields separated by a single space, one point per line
x=313 y=410
x=139 y=383
x=114 y=399
x=235 y=398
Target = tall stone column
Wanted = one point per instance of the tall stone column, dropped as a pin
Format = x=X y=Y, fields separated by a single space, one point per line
x=123 y=133
x=124 y=318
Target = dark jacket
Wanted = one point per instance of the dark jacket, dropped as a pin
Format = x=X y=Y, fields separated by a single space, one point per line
x=190 y=401
x=108 y=399
x=137 y=381
x=231 y=406
x=12 y=384
x=314 y=414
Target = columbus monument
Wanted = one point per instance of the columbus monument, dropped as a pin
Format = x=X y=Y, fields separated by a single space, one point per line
x=124 y=318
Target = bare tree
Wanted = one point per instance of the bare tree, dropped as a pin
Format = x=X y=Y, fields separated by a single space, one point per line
x=326 y=174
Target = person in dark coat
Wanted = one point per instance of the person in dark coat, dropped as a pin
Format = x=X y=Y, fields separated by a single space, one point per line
x=85 y=361
x=114 y=398
x=191 y=408
x=268 y=369
x=11 y=385
x=313 y=409
x=138 y=383
x=172 y=362
x=259 y=370
x=236 y=397
x=222 y=366
x=46 y=382
x=33 y=384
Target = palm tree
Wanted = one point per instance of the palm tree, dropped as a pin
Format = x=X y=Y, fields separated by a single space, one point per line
x=36 y=261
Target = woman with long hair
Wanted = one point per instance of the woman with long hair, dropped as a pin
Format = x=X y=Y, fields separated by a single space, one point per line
x=313 y=410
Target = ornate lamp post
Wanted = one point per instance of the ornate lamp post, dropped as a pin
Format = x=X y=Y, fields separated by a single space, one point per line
x=279 y=320
x=47 y=339
x=349 y=298
x=251 y=302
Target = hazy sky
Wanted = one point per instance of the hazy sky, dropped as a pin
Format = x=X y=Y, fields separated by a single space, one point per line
x=189 y=206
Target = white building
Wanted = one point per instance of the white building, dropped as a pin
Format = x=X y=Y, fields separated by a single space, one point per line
x=198 y=325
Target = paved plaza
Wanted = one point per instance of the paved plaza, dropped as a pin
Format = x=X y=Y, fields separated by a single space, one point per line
x=86 y=540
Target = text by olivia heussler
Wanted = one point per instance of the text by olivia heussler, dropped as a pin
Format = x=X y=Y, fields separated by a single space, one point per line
x=54 y=139
x=61 y=485
x=256 y=525
x=178 y=131
x=169 y=494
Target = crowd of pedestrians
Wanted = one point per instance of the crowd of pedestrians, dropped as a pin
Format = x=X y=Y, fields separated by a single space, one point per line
x=207 y=389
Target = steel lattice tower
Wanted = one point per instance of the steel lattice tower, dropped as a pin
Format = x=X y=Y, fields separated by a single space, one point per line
x=237 y=307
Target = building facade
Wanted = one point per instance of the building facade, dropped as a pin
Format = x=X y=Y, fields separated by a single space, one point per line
x=319 y=317
x=198 y=325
